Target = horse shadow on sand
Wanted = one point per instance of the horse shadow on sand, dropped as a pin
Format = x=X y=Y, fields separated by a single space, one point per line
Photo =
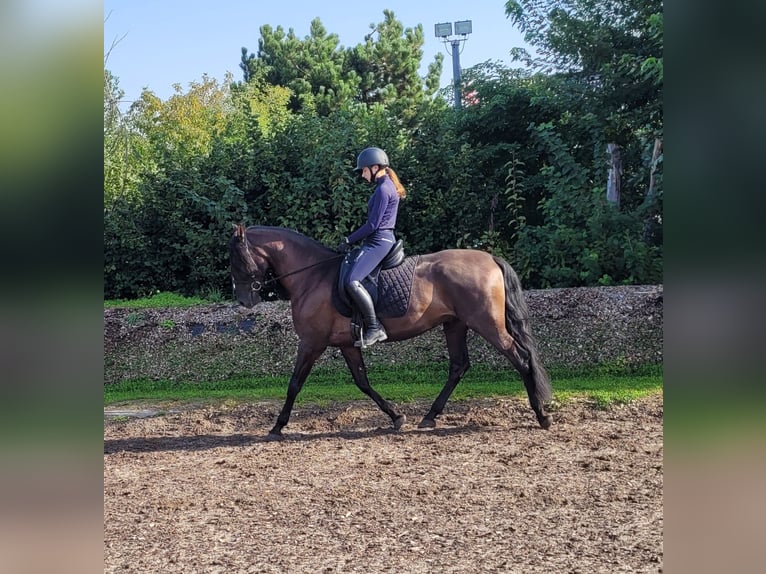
x=191 y=443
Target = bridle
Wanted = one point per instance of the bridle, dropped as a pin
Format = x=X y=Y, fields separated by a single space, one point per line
x=258 y=285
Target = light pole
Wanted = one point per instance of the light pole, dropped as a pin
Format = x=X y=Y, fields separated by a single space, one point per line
x=444 y=31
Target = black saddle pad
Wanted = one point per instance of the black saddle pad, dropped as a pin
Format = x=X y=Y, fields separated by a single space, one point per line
x=390 y=291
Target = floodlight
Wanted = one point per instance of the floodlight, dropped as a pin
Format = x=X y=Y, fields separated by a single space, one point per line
x=443 y=30
x=463 y=27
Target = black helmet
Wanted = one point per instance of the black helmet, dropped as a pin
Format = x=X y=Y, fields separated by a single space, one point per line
x=371 y=156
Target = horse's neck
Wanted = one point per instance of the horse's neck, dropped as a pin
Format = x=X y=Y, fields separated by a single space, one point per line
x=287 y=251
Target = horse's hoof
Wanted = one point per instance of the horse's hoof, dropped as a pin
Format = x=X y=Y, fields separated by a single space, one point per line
x=546 y=421
x=399 y=422
x=427 y=424
x=274 y=436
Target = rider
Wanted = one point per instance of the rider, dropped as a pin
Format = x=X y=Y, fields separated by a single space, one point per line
x=376 y=234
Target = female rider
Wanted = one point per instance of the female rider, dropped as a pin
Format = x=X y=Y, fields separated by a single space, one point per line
x=376 y=234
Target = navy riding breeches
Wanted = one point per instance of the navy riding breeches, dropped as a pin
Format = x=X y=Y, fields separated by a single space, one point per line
x=374 y=249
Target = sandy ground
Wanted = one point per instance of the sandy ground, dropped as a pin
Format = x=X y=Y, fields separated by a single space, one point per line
x=201 y=490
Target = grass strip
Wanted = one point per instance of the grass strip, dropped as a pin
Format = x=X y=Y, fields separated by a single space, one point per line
x=604 y=385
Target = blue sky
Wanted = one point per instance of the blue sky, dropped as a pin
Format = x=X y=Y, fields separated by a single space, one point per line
x=165 y=42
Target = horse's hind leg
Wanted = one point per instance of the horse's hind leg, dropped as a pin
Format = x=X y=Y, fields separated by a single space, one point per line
x=358 y=370
x=455 y=332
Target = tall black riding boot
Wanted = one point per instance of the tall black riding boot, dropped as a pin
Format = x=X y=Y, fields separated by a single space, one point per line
x=375 y=331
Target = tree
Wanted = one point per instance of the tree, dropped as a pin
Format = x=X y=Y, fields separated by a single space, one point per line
x=166 y=234
x=114 y=138
x=609 y=51
x=314 y=69
x=607 y=57
x=183 y=127
x=323 y=76
x=126 y=150
x=389 y=65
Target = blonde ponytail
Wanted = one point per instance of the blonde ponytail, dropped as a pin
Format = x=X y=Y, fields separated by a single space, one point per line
x=401 y=192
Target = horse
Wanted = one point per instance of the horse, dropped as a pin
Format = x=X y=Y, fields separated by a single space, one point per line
x=460 y=289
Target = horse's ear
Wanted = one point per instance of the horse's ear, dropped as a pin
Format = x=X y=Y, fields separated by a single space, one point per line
x=239 y=230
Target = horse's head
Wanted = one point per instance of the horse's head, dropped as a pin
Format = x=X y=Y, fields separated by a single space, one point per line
x=248 y=269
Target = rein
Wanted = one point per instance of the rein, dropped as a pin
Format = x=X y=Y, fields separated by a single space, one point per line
x=261 y=285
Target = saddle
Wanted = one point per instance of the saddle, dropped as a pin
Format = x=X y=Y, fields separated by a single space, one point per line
x=389 y=284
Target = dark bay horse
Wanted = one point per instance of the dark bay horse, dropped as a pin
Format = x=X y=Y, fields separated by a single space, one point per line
x=460 y=289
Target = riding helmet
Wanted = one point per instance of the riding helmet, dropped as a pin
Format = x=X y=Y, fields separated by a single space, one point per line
x=371 y=156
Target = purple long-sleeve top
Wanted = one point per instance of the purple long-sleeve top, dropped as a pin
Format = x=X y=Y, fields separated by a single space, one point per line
x=381 y=210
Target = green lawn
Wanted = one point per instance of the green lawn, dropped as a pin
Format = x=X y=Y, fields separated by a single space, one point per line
x=161 y=299
x=604 y=386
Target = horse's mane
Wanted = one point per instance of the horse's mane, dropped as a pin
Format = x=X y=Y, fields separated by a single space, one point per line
x=304 y=240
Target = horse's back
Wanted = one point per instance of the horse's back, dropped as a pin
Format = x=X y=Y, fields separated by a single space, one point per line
x=459 y=261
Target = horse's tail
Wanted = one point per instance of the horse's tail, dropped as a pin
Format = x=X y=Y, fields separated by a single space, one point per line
x=517 y=324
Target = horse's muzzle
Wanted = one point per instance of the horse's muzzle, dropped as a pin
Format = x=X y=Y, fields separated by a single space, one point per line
x=250 y=301
x=247 y=297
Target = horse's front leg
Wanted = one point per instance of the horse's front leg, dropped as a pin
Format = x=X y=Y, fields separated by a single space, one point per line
x=355 y=362
x=305 y=360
